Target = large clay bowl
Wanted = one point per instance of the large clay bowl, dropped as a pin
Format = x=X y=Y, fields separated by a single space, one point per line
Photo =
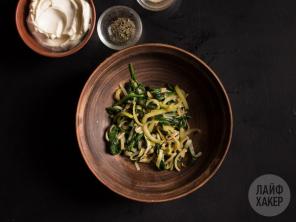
x=155 y=64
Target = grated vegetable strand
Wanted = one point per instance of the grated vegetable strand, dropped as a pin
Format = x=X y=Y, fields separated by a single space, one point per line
x=150 y=125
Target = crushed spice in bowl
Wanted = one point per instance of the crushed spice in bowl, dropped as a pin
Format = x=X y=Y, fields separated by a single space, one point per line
x=119 y=27
x=122 y=30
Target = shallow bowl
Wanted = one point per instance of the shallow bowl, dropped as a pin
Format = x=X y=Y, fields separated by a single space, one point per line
x=155 y=65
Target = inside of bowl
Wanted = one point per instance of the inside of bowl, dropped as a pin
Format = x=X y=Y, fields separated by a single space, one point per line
x=208 y=108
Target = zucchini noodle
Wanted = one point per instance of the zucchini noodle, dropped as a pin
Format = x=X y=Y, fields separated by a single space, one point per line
x=150 y=125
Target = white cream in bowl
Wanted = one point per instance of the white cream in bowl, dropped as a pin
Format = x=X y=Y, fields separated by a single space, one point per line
x=59 y=25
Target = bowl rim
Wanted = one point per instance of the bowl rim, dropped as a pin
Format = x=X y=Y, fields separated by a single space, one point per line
x=80 y=110
x=24 y=33
x=110 y=44
x=147 y=7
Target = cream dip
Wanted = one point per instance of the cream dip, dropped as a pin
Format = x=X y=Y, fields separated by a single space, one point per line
x=59 y=24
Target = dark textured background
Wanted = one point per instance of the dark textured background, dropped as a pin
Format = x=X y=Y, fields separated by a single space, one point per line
x=252 y=46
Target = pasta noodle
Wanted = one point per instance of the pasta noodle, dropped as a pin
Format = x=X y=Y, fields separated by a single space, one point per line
x=150 y=125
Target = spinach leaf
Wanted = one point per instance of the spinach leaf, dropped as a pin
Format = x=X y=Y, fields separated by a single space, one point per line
x=156 y=93
x=178 y=122
x=128 y=97
x=161 y=165
x=114 y=147
x=112 y=110
x=171 y=87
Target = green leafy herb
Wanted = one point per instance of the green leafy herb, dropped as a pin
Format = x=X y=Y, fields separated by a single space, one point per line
x=156 y=93
x=113 y=140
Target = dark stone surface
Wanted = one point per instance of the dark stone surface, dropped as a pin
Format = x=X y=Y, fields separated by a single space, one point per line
x=252 y=46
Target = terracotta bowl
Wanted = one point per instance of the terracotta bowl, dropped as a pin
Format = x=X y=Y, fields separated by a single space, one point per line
x=155 y=65
x=21 y=24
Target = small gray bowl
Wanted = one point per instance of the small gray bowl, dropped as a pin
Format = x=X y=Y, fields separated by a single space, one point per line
x=112 y=14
